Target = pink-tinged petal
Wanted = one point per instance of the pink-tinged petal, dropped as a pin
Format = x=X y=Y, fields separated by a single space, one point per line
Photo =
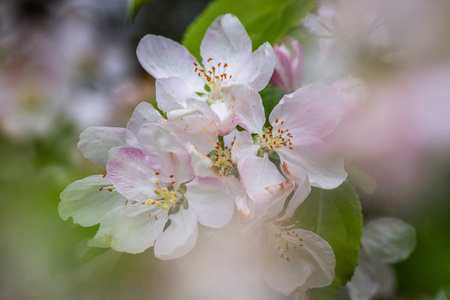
x=323 y=172
x=289 y=64
x=281 y=77
x=309 y=266
x=211 y=201
x=166 y=153
x=248 y=107
x=313 y=111
x=179 y=238
x=131 y=173
x=164 y=58
x=388 y=240
x=95 y=143
x=301 y=192
x=243 y=147
x=87 y=200
x=270 y=201
x=257 y=173
x=257 y=69
x=136 y=227
x=226 y=41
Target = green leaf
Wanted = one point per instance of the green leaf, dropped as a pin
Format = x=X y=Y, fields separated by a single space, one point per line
x=264 y=20
x=271 y=96
x=133 y=8
x=335 y=215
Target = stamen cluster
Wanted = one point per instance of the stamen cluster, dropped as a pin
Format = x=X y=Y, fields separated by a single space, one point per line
x=213 y=76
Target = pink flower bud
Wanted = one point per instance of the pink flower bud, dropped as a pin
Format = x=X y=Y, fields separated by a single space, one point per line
x=289 y=64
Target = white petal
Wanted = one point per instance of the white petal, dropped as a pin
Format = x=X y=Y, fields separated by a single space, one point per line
x=388 y=240
x=171 y=93
x=326 y=173
x=95 y=142
x=301 y=192
x=243 y=147
x=164 y=58
x=258 y=68
x=210 y=199
x=248 y=107
x=83 y=201
x=179 y=238
x=364 y=284
x=257 y=173
x=134 y=230
x=226 y=41
x=311 y=265
x=203 y=165
x=132 y=175
x=143 y=113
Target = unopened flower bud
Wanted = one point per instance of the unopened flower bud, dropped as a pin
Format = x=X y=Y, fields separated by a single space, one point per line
x=289 y=64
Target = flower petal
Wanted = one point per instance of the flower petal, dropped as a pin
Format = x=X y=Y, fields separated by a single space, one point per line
x=270 y=201
x=143 y=113
x=211 y=200
x=226 y=41
x=258 y=68
x=166 y=153
x=388 y=240
x=136 y=227
x=257 y=173
x=309 y=266
x=131 y=174
x=164 y=58
x=171 y=93
x=326 y=173
x=180 y=237
x=86 y=201
x=248 y=107
x=243 y=147
x=95 y=143
x=313 y=111
x=364 y=284
x=301 y=192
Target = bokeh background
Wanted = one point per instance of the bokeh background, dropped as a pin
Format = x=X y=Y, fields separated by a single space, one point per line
x=66 y=65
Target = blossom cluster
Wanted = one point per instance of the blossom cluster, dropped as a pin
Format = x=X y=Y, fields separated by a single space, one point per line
x=212 y=158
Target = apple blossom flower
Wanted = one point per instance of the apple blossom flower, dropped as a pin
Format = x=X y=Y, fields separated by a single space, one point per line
x=289 y=259
x=300 y=123
x=158 y=183
x=227 y=60
x=289 y=64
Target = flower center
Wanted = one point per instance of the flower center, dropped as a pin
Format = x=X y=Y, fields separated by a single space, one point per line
x=283 y=238
x=274 y=139
x=222 y=162
x=166 y=195
x=213 y=76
